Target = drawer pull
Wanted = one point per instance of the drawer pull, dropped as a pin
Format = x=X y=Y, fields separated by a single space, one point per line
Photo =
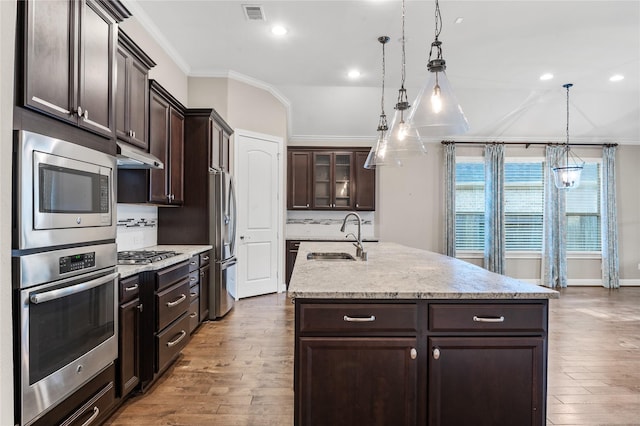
x=192 y=279
x=194 y=294
x=132 y=288
x=193 y=262
x=193 y=315
x=359 y=319
x=205 y=258
x=178 y=301
x=175 y=342
x=436 y=353
x=487 y=319
x=96 y=413
x=414 y=353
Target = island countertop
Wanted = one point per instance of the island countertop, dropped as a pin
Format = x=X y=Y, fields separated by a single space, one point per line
x=394 y=271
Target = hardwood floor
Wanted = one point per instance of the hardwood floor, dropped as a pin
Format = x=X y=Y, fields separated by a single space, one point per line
x=239 y=371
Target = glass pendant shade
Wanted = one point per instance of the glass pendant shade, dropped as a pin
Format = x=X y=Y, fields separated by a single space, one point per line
x=436 y=111
x=380 y=155
x=403 y=140
x=567 y=169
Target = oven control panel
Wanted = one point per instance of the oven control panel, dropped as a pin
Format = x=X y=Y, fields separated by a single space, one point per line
x=77 y=262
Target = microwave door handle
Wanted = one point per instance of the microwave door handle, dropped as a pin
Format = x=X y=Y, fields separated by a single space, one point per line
x=68 y=291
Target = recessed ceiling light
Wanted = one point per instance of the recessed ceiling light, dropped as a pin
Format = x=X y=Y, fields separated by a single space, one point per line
x=354 y=74
x=616 y=77
x=279 y=30
x=546 y=76
x=459 y=20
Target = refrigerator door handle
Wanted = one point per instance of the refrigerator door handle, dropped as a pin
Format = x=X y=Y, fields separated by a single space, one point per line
x=232 y=217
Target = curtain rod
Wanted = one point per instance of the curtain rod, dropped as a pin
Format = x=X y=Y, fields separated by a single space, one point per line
x=527 y=144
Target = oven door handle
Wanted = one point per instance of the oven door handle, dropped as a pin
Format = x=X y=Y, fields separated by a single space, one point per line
x=68 y=291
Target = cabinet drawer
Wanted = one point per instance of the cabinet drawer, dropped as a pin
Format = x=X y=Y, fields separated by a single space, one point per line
x=194 y=292
x=171 y=341
x=129 y=288
x=194 y=315
x=95 y=409
x=194 y=263
x=348 y=318
x=205 y=258
x=194 y=277
x=487 y=317
x=171 y=275
x=172 y=302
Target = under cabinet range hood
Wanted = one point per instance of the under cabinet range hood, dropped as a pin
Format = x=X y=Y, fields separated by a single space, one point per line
x=130 y=157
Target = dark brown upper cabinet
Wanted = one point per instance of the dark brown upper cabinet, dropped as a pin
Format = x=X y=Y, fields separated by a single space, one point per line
x=219 y=136
x=132 y=94
x=166 y=141
x=326 y=179
x=69 y=69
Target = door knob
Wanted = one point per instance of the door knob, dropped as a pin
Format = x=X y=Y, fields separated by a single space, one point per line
x=242 y=237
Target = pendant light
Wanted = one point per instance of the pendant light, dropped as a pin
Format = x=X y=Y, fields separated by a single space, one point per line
x=379 y=155
x=567 y=169
x=436 y=111
x=403 y=140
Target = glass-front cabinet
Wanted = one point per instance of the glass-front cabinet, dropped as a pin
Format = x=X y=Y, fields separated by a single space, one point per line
x=332 y=180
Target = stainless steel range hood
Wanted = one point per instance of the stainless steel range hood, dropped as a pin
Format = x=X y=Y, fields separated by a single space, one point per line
x=130 y=157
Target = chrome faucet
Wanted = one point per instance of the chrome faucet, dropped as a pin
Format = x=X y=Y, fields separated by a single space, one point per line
x=358 y=244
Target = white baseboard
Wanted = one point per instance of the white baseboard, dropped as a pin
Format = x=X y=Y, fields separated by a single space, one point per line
x=630 y=283
x=587 y=282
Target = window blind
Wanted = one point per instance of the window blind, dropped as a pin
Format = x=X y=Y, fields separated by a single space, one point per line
x=583 y=211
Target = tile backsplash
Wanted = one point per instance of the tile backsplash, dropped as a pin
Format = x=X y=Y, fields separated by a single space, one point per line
x=326 y=224
x=137 y=226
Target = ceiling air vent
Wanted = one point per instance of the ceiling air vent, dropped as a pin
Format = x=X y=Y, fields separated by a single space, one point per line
x=253 y=12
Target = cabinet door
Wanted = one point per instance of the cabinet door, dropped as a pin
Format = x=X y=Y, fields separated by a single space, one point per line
x=224 y=151
x=292 y=254
x=488 y=381
x=356 y=381
x=205 y=288
x=137 y=101
x=176 y=157
x=158 y=145
x=215 y=145
x=322 y=180
x=50 y=44
x=299 y=180
x=365 y=183
x=96 y=80
x=129 y=347
x=122 y=88
x=342 y=181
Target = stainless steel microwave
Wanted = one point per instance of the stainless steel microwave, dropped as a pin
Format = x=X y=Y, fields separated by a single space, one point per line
x=65 y=193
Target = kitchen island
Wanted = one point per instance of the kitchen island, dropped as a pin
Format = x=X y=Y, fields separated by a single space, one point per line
x=414 y=337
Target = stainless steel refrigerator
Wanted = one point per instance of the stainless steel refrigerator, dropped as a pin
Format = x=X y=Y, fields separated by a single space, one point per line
x=222 y=235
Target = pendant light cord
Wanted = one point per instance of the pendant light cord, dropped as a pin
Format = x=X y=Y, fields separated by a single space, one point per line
x=403 y=53
x=383 y=75
x=438 y=20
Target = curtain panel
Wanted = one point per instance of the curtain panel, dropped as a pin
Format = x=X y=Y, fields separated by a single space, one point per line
x=554 y=240
x=494 y=236
x=609 y=228
x=450 y=199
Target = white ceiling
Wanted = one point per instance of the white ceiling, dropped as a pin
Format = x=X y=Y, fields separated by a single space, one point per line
x=494 y=60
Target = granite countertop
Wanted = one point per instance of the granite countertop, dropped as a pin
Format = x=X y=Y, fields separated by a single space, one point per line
x=394 y=271
x=186 y=251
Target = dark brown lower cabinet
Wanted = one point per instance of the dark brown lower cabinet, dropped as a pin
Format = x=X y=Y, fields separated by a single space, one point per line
x=486 y=381
x=358 y=381
x=129 y=349
x=443 y=362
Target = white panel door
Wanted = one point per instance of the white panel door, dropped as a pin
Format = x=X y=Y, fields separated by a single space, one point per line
x=258 y=197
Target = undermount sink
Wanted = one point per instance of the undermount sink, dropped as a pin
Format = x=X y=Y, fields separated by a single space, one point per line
x=329 y=256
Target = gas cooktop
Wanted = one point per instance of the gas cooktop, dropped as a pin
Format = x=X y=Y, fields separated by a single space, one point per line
x=136 y=257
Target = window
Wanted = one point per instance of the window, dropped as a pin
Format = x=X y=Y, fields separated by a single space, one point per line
x=583 y=211
x=524 y=206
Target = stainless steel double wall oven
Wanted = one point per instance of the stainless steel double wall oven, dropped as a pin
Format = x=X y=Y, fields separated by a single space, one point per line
x=64 y=274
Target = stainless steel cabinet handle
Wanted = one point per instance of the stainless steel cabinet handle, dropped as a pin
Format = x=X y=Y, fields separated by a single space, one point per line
x=133 y=134
x=192 y=279
x=193 y=262
x=178 y=301
x=96 y=413
x=307 y=205
x=488 y=319
x=193 y=294
x=133 y=287
x=79 y=111
x=193 y=315
x=175 y=342
x=357 y=206
x=140 y=307
x=86 y=114
x=205 y=258
x=359 y=319
x=436 y=353
x=414 y=353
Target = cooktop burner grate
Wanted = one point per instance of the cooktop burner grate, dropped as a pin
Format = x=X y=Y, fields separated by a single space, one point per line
x=135 y=257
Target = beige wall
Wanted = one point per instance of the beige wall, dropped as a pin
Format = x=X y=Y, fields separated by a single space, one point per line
x=166 y=71
x=410 y=211
x=7 y=46
x=209 y=92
